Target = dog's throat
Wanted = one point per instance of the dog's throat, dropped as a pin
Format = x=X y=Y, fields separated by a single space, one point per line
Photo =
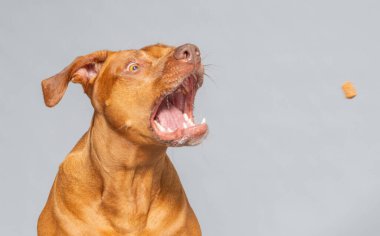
x=170 y=116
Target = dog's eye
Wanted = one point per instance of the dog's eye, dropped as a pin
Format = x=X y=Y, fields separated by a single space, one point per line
x=133 y=67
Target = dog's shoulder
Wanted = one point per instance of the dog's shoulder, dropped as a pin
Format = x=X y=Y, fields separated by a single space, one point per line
x=81 y=145
x=76 y=157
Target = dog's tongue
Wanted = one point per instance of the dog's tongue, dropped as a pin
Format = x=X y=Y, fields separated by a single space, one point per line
x=170 y=117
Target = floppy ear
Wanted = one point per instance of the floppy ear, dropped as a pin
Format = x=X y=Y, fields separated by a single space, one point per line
x=83 y=70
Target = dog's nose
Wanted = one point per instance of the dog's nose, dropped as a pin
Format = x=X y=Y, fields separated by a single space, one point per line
x=188 y=53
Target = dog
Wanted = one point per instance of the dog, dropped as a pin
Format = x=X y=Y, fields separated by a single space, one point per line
x=118 y=179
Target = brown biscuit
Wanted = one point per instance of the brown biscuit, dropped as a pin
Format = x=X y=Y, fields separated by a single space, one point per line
x=349 y=90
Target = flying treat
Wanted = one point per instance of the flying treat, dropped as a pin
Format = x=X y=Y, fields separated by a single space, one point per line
x=349 y=90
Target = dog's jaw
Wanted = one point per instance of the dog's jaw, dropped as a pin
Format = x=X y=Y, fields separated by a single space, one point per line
x=172 y=118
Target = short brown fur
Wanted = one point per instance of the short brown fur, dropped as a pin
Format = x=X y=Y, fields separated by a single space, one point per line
x=118 y=179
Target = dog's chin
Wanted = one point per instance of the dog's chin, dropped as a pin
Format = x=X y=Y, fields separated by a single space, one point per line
x=173 y=119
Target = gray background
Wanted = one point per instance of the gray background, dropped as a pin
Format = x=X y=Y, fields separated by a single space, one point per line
x=287 y=153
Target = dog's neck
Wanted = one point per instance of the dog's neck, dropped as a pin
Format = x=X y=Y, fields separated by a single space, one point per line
x=131 y=174
x=120 y=153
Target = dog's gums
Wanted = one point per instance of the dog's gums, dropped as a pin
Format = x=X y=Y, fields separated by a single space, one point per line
x=173 y=116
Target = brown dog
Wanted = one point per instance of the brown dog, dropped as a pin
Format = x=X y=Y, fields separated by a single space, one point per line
x=118 y=179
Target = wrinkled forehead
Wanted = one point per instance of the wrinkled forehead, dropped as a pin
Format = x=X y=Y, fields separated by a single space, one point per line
x=157 y=50
x=150 y=53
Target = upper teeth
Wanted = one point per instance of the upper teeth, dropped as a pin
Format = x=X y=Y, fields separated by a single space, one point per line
x=167 y=102
x=203 y=121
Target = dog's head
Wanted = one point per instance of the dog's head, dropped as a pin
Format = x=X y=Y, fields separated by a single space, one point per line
x=146 y=95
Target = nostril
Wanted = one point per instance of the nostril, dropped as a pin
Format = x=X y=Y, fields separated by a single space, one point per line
x=186 y=54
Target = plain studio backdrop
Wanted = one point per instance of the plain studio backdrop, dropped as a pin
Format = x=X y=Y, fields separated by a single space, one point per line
x=287 y=154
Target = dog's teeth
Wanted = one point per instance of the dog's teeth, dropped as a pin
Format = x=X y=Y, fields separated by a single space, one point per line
x=188 y=120
x=203 y=121
x=170 y=130
x=186 y=117
x=187 y=88
x=162 y=129
x=184 y=125
x=167 y=102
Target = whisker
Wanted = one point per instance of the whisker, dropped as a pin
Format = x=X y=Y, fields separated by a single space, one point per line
x=211 y=79
x=207 y=65
x=211 y=66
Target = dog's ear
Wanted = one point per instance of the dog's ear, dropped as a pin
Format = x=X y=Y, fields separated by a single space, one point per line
x=83 y=70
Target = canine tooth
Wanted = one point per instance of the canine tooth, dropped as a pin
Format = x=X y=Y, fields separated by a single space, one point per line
x=162 y=129
x=184 y=125
x=167 y=102
x=191 y=122
x=203 y=121
x=186 y=117
x=170 y=130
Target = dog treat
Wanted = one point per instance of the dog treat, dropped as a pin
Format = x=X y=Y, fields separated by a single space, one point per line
x=349 y=90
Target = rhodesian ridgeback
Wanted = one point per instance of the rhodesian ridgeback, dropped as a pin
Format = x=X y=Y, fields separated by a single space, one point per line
x=118 y=179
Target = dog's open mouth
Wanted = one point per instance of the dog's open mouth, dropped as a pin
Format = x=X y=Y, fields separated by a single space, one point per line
x=173 y=118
